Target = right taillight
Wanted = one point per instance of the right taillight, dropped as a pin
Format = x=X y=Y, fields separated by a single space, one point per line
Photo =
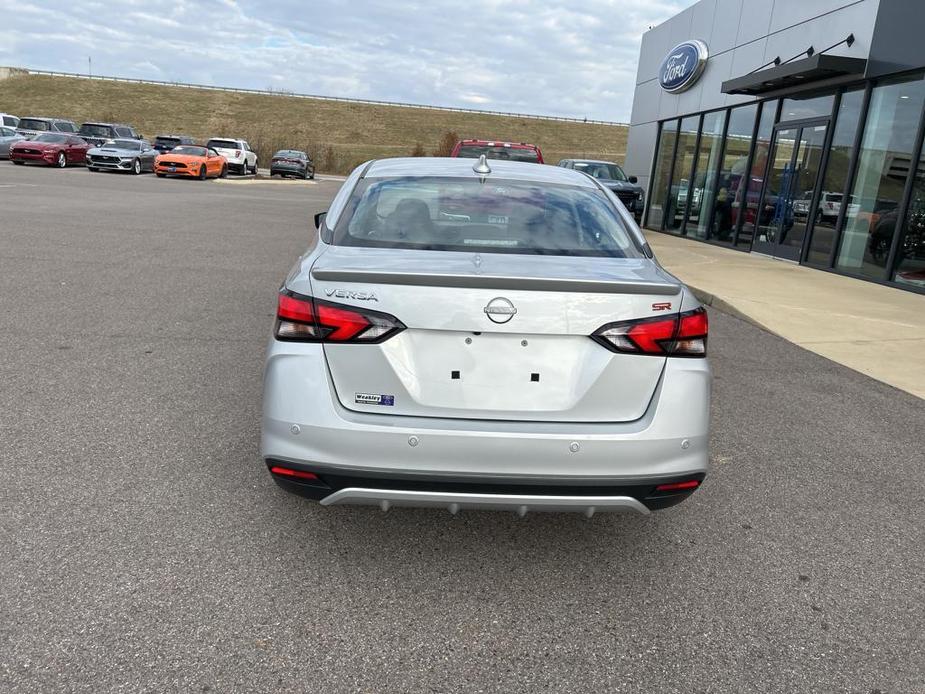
x=681 y=335
x=301 y=318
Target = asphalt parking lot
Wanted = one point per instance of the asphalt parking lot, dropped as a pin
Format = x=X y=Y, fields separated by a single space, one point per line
x=144 y=547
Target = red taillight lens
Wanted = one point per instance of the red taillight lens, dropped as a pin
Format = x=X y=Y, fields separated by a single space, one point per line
x=678 y=486
x=681 y=335
x=305 y=319
x=289 y=472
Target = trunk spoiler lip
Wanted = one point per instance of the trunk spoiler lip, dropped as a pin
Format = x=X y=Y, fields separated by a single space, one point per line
x=467 y=281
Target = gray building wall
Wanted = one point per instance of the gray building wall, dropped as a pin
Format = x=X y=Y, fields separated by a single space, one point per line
x=741 y=36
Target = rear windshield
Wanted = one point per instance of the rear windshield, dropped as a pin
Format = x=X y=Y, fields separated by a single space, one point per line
x=94 y=130
x=12 y=121
x=289 y=154
x=167 y=141
x=601 y=170
x=500 y=216
x=512 y=153
x=223 y=144
x=33 y=124
x=193 y=150
x=833 y=197
x=65 y=127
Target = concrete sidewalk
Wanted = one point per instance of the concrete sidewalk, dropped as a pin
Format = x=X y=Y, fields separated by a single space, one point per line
x=877 y=330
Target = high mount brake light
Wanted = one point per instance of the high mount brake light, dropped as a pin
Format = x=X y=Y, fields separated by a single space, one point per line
x=681 y=335
x=301 y=318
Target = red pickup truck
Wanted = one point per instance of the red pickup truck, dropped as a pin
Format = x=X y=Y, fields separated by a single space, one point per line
x=493 y=149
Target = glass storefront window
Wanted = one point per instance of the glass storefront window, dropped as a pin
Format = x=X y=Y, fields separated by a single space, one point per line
x=800 y=107
x=884 y=162
x=836 y=177
x=746 y=200
x=732 y=173
x=656 y=211
x=910 y=254
x=680 y=176
x=704 y=185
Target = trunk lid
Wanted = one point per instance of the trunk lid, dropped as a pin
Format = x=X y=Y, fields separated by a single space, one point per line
x=493 y=336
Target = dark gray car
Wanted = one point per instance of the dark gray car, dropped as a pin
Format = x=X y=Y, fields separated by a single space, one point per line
x=133 y=156
x=292 y=162
x=611 y=175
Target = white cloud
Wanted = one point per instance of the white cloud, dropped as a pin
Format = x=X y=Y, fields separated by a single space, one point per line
x=534 y=56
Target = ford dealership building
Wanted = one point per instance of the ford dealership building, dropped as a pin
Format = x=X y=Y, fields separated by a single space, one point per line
x=790 y=128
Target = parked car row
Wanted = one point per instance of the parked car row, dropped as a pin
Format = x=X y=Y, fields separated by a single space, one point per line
x=120 y=147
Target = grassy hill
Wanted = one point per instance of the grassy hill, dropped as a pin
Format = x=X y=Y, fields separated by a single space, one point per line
x=339 y=135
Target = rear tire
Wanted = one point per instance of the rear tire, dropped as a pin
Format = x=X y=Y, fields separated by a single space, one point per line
x=136 y=167
x=160 y=175
x=61 y=161
x=202 y=172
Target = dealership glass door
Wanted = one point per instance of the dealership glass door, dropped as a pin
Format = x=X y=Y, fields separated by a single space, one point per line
x=791 y=189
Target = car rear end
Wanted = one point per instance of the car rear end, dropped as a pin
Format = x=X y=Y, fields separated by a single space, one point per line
x=30 y=127
x=97 y=134
x=165 y=143
x=448 y=362
x=288 y=163
x=233 y=151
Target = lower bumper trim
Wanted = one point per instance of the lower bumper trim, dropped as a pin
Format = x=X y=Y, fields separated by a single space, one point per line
x=455 y=501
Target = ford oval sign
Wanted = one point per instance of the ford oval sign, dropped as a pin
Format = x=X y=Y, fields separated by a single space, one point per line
x=683 y=66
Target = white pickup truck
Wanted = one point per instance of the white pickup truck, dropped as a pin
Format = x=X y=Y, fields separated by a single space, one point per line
x=241 y=159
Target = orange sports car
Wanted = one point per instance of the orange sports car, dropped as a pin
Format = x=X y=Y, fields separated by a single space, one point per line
x=191 y=160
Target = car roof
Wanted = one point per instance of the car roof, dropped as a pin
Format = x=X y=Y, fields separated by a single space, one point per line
x=231 y=139
x=177 y=137
x=593 y=161
x=463 y=168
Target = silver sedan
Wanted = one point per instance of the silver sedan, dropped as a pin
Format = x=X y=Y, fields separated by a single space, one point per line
x=496 y=335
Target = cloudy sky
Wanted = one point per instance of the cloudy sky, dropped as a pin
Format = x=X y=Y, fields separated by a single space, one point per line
x=556 y=57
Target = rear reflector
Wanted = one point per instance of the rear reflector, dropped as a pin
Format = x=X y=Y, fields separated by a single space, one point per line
x=288 y=472
x=678 y=486
x=681 y=335
x=303 y=318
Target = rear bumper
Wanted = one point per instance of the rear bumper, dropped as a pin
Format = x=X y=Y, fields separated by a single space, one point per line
x=305 y=427
x=287 y=168
x=453 y=493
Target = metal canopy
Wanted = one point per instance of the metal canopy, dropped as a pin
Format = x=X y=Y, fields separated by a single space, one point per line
x=818 y=67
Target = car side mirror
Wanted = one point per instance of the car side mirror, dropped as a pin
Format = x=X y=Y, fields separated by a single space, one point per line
x=633 y=179
x=323 y=231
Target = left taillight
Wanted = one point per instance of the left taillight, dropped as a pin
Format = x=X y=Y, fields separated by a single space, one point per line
x=681 y=335
x=301 y=318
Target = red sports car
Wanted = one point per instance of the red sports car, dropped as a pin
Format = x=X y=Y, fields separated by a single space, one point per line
x=51 y=149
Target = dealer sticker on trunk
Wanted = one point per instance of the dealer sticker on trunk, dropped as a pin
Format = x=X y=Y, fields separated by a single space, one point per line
x=372 y=399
